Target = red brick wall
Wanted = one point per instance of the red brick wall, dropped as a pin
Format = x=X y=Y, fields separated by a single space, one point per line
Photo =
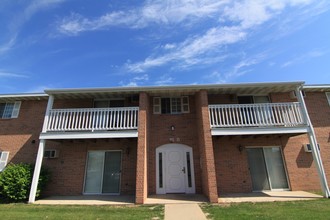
x=17 y=134
x=319 y=113
x=68 y=170
x=206 y=147
x=233 y=175
x=142 y=171
x=185 y=133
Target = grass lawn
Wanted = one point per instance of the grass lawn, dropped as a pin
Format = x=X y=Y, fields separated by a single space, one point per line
x=311 y=209
x=24 y=211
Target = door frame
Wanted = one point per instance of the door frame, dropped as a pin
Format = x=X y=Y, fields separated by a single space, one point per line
x=86 y=165
x=269 y=181
x=185 y=149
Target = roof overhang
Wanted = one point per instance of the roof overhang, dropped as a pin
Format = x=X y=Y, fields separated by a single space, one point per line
x=23 y=96
x=240 y=88
x=317 y=88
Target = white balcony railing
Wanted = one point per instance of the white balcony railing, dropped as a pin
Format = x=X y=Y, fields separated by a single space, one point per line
x=256 y=115
x=93 y=119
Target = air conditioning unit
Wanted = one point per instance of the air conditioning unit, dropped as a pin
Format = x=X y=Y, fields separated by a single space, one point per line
x=293 y=94
x=51 y=154
x=308 y=147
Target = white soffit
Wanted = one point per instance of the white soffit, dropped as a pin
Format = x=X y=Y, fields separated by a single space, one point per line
x=243 y=88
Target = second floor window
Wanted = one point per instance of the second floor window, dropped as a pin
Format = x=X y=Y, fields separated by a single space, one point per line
x=9 y=109
x=112 y=103
x=174 y=105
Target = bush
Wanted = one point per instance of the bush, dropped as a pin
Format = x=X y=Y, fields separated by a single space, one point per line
x=16 y=179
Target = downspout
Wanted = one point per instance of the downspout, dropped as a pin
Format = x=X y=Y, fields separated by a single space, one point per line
x=313 y=142
x=40 y=155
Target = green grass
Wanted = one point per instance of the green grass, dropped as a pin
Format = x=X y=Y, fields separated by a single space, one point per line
x=311 y=209
x=24 y=211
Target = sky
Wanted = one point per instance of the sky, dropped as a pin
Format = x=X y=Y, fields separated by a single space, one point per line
x=48 y=44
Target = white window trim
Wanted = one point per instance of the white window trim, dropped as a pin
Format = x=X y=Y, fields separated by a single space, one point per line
x=157 y=105
x=15 y=111
x=3 y=160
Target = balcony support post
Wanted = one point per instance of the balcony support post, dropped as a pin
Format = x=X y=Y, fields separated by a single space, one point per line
x=49 y=107
x=36 y=173
x=313 y=142
x=40 y=155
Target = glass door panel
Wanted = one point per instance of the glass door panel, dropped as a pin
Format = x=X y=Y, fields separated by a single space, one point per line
x=258 y=169
x=275 y=167
x=112 y=172
x=94 y=172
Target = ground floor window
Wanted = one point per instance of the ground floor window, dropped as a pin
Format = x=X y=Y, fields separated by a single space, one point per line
x=267 y=169
x=3 y=159
x=103 y=172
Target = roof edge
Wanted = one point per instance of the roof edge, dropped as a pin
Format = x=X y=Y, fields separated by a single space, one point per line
x=158 y=88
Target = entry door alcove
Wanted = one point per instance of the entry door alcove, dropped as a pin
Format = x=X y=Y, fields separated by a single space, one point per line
x=174 y=169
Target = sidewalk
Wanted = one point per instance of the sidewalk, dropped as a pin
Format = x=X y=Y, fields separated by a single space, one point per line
x=183 y=212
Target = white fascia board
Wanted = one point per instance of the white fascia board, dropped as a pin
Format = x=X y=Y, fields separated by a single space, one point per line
x=24 y=95
x=256 y=131
x=176 y=87
x=87 y=135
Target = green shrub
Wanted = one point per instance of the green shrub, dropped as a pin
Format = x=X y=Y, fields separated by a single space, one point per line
x=16 y=179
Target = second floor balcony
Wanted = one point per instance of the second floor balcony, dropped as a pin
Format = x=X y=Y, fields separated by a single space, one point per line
x=268 y=118
x=92 y=120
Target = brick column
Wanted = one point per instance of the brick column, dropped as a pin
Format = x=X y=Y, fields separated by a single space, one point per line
x=141 y=164
x=209 y=181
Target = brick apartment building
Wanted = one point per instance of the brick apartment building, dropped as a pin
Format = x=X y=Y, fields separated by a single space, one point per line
x=203 y=139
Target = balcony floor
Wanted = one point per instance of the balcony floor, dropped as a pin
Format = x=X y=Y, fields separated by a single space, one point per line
x=89 y=134
x=258 y=130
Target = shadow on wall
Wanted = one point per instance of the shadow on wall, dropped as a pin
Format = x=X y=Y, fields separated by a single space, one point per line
x=304 y=159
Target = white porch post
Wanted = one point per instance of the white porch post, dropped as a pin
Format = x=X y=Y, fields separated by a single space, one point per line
x=315 y=150
x=40 y=154
x=36 y=173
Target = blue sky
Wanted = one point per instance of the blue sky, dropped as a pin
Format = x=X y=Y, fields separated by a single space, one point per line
x=74 y=44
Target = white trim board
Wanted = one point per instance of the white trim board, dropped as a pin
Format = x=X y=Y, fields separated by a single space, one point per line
x=88 y=135
x=254 y=131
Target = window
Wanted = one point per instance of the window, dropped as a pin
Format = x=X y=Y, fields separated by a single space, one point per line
x=3 y=159
x=252 y=99
x=328 y=96
x=109 y=103
x=9 y=109
x=51 y=154
x=175 y=105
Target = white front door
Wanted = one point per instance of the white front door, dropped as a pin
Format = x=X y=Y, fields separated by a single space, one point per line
x=174 y=169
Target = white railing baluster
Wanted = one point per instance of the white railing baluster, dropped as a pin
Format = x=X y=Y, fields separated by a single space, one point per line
x=252 y=115
x=90 y=119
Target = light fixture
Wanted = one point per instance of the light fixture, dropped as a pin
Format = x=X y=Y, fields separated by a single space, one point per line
x=172 y=128
x=240 y=148
x=128 y=150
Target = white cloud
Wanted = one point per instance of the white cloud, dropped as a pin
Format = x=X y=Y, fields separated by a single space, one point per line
x=228 y=23
x=304 y=57
x=152 y=12
x=8 y=45
x=135 y=81
x=18 y=20
x=164 y=80
x=193 y=49
x=7 y=74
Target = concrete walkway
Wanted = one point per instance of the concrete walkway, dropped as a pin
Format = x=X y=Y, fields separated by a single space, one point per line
x=267 y=196
x=183 y=212
x=87 y=200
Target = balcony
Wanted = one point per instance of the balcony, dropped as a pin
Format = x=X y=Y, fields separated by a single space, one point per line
x=266 y=118
x=91 y=123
